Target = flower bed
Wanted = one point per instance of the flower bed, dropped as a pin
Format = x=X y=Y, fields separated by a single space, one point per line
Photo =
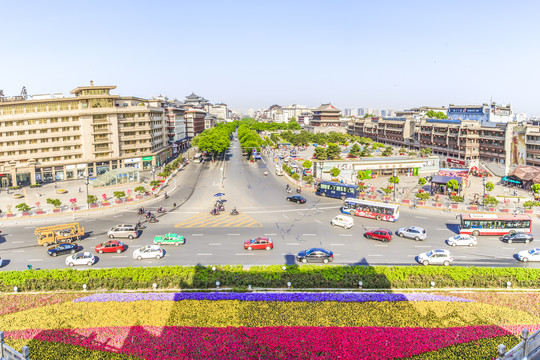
x=167 y=326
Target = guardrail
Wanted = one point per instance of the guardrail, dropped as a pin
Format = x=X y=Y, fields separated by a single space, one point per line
x=8 y=353
x=527 y=349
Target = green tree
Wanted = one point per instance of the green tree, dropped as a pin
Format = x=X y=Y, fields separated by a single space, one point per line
x=491 y=201
x=320 y=153
x=489 y=186
x=366 y=152
x=307 y=164
x=425 y=151
x=394 y=180
x=422 y=196
x=119 y=194
x=412 y=153
x=54 y=202
x=440 y=115
x=140 y=190
x=23 y=207
x=91 y=199
x=402 y=150
x=293 y=124
x=388 y=151
x=452 y=185
x=334 y=172
x=431 y=114
x=355 y=150
x=155 y=183
x=362 y=175
x=422 y=181
x=536 y=188
x=333 y=151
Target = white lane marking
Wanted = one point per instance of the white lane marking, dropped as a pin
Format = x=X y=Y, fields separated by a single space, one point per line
x=91 y=238
x=204 y=254
x=215 y=244
x=422 y=246
x=16 y=242
x=35 y=260
x=337 y=244
x=244 y=254
x=196 y=234
x=412 y=255
x=119 y=256
x=17 y=251
x=299 y=213
x=186 y=212
x=269 y=234
x=320 y=222
x=29 y=227
x=90 y=220
x=382 y=245
x=440 y=229
x=345 y=234
x=375 y=255
x=285 y=216
x=118 y=215
x=8 y=235
x=309 y=234
x=233 y=234
x=507 y=248
x=292 y=244
x=420 y=217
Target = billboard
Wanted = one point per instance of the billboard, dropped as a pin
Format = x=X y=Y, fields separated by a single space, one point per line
x=518 y=149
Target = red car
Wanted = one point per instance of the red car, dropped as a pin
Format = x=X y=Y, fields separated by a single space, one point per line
x=379 y=234
x=259 y=243
x=111 y=246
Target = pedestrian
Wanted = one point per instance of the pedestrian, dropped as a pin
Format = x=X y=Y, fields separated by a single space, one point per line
x=55 y=186
x=79 y=189
x=29 y=267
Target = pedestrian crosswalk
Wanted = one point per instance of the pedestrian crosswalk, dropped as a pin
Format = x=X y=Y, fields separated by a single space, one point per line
x=222 y=220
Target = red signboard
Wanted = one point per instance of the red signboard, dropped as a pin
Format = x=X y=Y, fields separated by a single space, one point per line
x=455 y=161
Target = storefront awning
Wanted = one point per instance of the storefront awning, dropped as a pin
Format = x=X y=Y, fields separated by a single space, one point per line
x=508 y=179
x=440 y=179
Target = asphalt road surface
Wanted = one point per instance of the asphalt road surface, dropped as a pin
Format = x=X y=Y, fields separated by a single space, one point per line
x=264 y=211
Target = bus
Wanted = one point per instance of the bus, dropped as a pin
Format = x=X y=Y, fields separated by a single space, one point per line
x=337 y=190
x=371 y=209
x=492 y=224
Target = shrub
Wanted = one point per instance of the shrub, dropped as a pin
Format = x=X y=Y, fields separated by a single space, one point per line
x=140 y=190
x=22 y=207
x=35 y=185
x=489 y=186
x=491 y=201
x=296 y=176
x=119 y=194
x=16 y=187
x=155 y=183
x=54 y=202
x=91 y=199
x=422 y=181
x=422 y=196
x=334 y=172
x=387 y=191
x=456 y=198
x=308 y=179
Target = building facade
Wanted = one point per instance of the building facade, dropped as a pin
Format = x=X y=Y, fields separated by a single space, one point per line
x=54 y=138
x=195 y=123
x=485 y=112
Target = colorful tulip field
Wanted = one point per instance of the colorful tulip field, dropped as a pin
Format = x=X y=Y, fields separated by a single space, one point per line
x=225 y=325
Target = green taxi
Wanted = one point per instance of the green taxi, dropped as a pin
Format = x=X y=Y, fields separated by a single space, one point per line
x=169 y=239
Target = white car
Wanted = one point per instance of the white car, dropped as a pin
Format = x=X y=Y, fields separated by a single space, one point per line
x=148 y=252
x=529 y=255
x=413 y=232
x=436 y=257
x=466 y=240
x=84 y=258
x=342 y=220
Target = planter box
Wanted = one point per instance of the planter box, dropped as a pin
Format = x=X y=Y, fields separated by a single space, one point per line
x=473 y=207
x=9 y=215
x=25 y=214
x=373 y=197
x=528 y=211
x=139 y=197
x=56 y=210
x=129 y=199
x=40 y=212
x=386 y=198
x=506 y=210
x=422 y=203
x=93 y=205
x=406 y=201
x=105 y=203
x=454 y=206
x=492 y=209
x=75 y=208
x=437 y=204
x=118 y=201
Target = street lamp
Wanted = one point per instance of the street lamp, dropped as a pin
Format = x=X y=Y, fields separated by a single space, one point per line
x=154 y=172
x=86 y=181
x=484 y=198
x=321 y=165
x=395 y=173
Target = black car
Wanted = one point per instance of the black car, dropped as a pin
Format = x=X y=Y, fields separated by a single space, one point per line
x=64 y=248
x=297 y=199
x=518 y=237
x=315 y=255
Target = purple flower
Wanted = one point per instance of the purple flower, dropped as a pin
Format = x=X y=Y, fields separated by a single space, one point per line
x=287 y=297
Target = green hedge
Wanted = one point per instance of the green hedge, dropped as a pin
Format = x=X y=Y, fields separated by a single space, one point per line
x=303 y=276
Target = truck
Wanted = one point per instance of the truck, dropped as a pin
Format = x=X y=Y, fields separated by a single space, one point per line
x=48 y=235
x=279 y=172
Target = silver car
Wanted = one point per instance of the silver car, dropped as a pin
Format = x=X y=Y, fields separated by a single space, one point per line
x=413 y=232
x=436 y=257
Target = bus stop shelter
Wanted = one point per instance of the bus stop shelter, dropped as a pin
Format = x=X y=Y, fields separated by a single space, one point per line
x=438 y=183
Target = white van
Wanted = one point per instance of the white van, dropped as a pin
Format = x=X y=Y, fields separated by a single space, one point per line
x=343 y=220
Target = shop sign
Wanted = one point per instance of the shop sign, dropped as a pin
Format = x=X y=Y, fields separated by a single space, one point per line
x=132 y=160
x=147 y=158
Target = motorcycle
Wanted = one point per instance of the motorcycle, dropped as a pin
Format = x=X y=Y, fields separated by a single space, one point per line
x=265 y=173
x=299 y=190
x=161 y=211
x=153 y=220
x=166 y=196
x=141 y=211
x=289 y=191
x=214 y=212
x=141 y=226
x=234 y=212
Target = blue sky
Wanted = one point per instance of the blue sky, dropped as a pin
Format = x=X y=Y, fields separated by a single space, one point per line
x=252 y=54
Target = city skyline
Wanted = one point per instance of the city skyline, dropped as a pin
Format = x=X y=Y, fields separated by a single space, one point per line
x=248 y=55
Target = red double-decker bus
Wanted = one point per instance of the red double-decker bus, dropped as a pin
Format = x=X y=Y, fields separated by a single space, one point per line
x=492 y=224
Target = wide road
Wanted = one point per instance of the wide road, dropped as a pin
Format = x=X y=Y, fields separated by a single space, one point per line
x=264 y=211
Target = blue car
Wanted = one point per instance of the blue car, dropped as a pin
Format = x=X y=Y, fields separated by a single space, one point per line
x=64 y=248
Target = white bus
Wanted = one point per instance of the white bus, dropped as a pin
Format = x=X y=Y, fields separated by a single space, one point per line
x=371 y=209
